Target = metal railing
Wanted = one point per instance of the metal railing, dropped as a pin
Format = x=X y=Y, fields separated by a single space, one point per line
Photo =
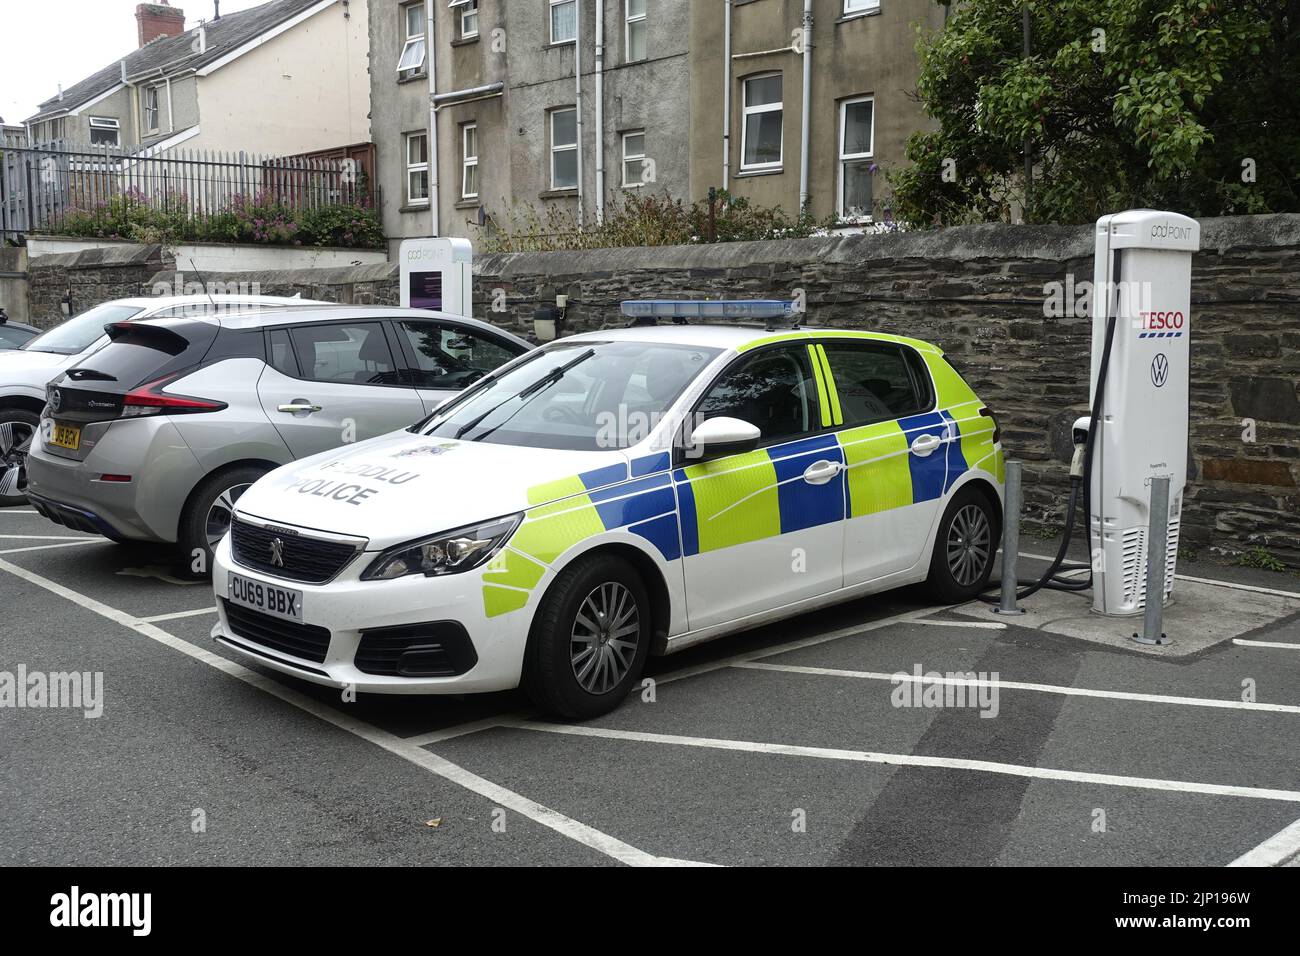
x=45 y=187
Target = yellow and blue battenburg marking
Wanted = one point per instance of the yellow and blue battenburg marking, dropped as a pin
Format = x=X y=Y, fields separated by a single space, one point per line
x=755 y=495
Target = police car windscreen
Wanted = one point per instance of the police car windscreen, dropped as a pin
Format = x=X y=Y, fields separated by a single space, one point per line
x=609 y=399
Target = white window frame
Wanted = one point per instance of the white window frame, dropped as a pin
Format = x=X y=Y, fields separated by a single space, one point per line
x=857 y=7
x=413 y=41
x=846 y=158
x=747 y=111
x=565 y=148
x=468 y=162
x=106 y=123
x=466 y=10
x=415 y=167
x=632 y=157
x=550 y=14
x=151 y=109
x=628 y=20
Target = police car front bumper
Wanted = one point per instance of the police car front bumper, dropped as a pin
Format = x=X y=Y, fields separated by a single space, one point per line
x=410 y=635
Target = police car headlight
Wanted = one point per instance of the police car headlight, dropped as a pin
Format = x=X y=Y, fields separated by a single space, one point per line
x=448 y=553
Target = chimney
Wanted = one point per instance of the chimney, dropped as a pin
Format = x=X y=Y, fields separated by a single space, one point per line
x=159 y=20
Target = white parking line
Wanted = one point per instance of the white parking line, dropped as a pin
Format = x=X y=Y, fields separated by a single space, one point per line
x=1274 y=851
x=45 y=537
x=1019 y=685
x=914 y=760
x=177 y=615
x=461 y=730
x=981 y=625
x=47 y=547
x=7 y=511
x=1233 y=585
x=565 y=826
x=1281 y=644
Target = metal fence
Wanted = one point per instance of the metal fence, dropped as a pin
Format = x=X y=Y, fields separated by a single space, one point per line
x=45 y=188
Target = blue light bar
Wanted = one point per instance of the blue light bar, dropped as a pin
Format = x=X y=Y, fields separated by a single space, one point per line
x=706 y=309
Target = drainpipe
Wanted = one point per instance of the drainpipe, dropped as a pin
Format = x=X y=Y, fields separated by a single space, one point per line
x=805 y=131
x=726 y=94
x=577 y=82
x=435 y=227
x=171 y=114
x=600 y=112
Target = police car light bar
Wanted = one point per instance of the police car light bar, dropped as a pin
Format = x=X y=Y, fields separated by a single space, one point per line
x=649 y=311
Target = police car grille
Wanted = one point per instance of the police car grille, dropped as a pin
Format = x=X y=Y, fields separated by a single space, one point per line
x=297 y=640
x=310 y=560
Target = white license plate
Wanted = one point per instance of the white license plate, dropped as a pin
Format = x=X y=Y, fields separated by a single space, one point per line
x=268 y=598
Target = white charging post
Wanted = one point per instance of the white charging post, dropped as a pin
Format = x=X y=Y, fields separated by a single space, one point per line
x=1142 y=276
x=438 y=274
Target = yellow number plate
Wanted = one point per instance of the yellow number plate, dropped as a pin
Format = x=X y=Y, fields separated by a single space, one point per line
x=66 y=436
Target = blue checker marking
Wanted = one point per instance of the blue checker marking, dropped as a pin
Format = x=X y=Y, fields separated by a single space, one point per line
x=686 y=509
x=600 y=477
x=649 y=465
x=928 y=474
x=957 y=465
x=662 y=533
x=634 y=502
x=803 y=505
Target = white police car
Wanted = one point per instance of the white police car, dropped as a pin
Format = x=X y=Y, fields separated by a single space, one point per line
x=611 y=495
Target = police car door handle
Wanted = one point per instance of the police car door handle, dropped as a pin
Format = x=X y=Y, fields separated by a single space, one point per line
x=820 y=472
x=925 y=444
x=299 y=405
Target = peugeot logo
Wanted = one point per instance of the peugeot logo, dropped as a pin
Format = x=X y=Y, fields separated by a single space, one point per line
x=56 y=399
x=277 y=552
x=1159 y=370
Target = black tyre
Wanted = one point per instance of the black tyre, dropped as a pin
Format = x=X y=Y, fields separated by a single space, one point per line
x=589 y=640
x=17 y=428
x=964 y=548
x=206 y=518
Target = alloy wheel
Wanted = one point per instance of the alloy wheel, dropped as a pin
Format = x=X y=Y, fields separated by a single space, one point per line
x=221 y=513
x=970 y=539
x=15 y=441
x=605 y=635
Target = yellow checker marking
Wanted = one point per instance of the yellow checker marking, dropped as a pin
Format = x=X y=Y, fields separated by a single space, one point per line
x=879 y=476
x=718 y=485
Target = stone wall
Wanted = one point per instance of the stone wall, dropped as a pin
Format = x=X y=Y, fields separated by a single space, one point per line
x=976 y=291
x=90 y=277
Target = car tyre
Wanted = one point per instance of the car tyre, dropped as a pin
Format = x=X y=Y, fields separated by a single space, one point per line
x=17 y=428
x=206 y=518
x=964 y=548
x=579 y=664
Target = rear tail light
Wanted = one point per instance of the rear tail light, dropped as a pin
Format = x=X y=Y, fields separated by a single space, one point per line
x=152 y=400
x=997 y=429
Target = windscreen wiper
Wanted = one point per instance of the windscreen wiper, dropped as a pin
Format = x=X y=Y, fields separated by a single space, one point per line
x=90 y=375
x=549 y=378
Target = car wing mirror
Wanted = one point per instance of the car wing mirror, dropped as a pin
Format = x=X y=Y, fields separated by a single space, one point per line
x=721 y=436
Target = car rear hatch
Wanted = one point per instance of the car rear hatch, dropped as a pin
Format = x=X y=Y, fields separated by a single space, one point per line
x=129 y=378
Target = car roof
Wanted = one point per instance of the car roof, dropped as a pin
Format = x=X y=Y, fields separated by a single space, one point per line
x=157 y=303
x=742 y=337
x=252 y=318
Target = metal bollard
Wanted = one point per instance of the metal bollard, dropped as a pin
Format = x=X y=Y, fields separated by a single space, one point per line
x=1010 y=540
x=1157 y=545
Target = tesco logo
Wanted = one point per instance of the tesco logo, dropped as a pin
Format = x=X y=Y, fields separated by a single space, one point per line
x=1162 y=321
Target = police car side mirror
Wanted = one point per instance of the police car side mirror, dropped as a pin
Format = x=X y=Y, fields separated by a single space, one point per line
x=722 y=436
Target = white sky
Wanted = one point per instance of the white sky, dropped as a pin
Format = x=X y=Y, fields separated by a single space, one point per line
x=47 y=42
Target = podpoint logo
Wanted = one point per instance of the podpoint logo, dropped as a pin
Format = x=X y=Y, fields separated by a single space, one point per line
x=1166 y=230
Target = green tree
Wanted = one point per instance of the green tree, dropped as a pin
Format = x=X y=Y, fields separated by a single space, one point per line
x=1191 y=105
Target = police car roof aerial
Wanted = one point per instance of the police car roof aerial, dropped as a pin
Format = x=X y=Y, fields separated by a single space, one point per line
x=771 y=311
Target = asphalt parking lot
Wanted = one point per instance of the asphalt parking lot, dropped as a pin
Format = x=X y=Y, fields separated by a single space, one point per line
x=786 y=745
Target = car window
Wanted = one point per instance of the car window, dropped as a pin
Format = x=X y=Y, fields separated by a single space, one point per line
x=82 y=331
x=579 y=395
x=874 y=381
x=353 y=354
x=11 y=336
x=451 y=356
x=280 y=353
x=773 y=390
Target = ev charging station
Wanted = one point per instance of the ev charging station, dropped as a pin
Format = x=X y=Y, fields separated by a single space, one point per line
x=1141 y=337
x=437 y=274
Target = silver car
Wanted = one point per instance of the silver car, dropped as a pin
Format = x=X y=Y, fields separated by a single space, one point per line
x=24 y=371
x=155 y=436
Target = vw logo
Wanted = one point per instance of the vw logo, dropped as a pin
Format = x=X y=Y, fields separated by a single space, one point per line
x=56 y=399
x=1159 y=370
x=277 y=552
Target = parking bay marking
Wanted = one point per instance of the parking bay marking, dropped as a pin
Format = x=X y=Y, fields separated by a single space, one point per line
x=45 y=537
x=177 y=615
x=1274 y=851
x=914 y=760
x=439 y=766
x=1279 y=644
x=47 y=547
x=1020 y=685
